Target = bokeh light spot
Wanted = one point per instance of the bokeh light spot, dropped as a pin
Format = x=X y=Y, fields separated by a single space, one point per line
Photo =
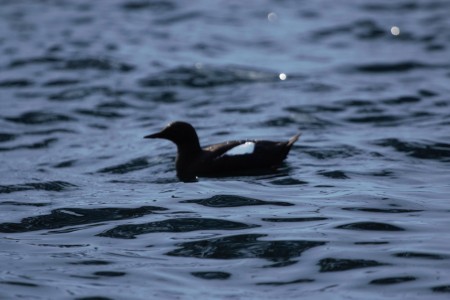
x=272 y=17
x=395 y=30
x=282 y=76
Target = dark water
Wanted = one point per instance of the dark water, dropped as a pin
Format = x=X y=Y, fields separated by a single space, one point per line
x=360 y=210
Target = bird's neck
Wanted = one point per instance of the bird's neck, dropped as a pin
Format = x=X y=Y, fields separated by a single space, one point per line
x=187 y=154
x=189 y=150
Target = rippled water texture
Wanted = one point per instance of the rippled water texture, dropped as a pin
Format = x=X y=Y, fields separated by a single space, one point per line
x=91 y=210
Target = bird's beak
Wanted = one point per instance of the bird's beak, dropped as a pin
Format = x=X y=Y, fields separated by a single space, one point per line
x=157 y=135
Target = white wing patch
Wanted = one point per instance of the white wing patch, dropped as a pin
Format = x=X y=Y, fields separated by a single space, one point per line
x=246 y=148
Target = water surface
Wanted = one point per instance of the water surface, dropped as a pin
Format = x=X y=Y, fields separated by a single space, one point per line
x=89 y=209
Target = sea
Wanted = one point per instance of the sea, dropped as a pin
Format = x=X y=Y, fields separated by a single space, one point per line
x=360 y=209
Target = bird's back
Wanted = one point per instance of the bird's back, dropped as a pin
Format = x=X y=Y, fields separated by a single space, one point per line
x=227 y=158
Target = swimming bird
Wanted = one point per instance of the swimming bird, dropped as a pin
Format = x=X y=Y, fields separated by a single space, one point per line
x=228 y=158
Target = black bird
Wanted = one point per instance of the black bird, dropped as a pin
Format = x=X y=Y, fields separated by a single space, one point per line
x=222 y=159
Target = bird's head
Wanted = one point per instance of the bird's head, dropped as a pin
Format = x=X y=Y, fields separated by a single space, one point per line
x=180 y=133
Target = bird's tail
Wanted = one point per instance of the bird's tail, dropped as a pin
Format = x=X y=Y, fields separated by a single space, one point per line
x=293 y=139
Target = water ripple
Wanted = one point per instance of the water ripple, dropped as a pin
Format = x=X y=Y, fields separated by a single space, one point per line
x=173 y=225
x=39 y=117
x=381 y=210
x=441 y=289
x=6 y=137
x=53 y=186
x=421 y=255
x=392 y=280
x=244 y=246
x=334 y=174
x=281 y=283
x=397 y=67
x=233 y=201
x=133 y=165
x=372 y=226
x=338 y=265
x=306 y=219
x=140 y=5
x=364 y=196
x=16 y=83
x=79 y=93
x=437 y=151
x=63 y=217
x=212 y=275
x=204 y=77
x=37 y=145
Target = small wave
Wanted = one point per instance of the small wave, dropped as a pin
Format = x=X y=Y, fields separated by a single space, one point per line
x=63 y=217
x=205 y=76
x=281 y=283
x=402 y=100
x=372 y=226
x=338 y=265
x=334 y=174
x=405 y=7
x=39 y=117
x=436 y=151
x=19 y=283
x=337 y=151
x=100 y=113
x=143 y=5
x=244 y=246
x=392 y=280
x=441 y=289
x=306 y=219
x=211 y=275
x=97 y=63
x=37 y=145
x=61 y=82
x=36 y=204
x=233 y=201
x=381 y=119
x=300 y=119
x=371 y=243
x=398 y=67
x=103 y=64
x=80 y=93
x=16 y=83
x=53 y=186
x=182 y=17
x=281 y=122
x=93 y=262
x=34 y=60
x=65 y=164
x=381 y=210
x=49 y=131
x=288 y=181
x=428 y=93
x=356 y=103
x=421 y=255
x=6 y=137
x=109 y=273
x=132 y=165
x=173 y=225
x=365 y=29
